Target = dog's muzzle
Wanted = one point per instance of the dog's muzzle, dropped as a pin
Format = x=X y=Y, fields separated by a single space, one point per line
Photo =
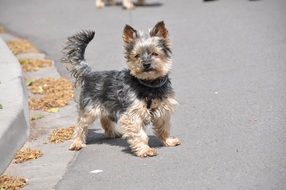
x=147 y=66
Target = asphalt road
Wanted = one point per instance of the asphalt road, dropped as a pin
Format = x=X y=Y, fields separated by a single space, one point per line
x=229 y=74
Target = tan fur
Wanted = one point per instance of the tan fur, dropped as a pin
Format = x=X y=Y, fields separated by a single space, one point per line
x=86 y=117
x=128 y=4
x=99 y=3
x=109 y=127
x=134 y=121
x=161 y=122
x=161 y=62
x=162 y=65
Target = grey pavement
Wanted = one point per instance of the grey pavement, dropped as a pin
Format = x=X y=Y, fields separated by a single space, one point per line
x=45 y=172
x=14 y=111
x=229 y=74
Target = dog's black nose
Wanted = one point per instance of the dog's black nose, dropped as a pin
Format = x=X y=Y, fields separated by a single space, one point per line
x=146 y=65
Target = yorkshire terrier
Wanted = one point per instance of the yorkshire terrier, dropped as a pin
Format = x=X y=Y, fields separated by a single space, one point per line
x=127 y=4
x=134 y=98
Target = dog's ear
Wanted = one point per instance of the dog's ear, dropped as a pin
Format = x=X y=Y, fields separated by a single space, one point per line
x=129 y=34
x=160 y=30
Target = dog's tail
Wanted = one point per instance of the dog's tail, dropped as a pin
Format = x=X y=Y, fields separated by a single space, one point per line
x=74 y=54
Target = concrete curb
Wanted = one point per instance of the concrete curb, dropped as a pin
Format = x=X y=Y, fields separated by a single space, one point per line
x=14 y=116
x=48 y=170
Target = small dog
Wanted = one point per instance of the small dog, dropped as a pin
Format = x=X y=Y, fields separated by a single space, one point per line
x=127 y=4
x=134 y=98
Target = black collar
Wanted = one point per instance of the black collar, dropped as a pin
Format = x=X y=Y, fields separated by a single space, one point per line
x=157 y=83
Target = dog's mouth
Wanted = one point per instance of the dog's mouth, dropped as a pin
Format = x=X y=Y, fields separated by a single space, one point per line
x=148 y=70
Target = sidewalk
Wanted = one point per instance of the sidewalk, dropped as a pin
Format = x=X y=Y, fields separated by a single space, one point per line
x=17 y=89
x=14 y=111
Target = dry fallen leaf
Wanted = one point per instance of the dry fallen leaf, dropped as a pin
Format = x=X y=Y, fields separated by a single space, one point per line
x=61 y=135
x=29 y=82
x=21 y=46
x=37 y=117
x=56 y=93
x=27 y=154
x=11 y=182
x=53 y=110
x=34 y=64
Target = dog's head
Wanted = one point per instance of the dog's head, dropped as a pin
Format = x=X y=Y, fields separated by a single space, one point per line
x=148 y=55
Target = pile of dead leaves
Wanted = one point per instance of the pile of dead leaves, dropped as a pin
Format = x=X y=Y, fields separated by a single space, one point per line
x=27 y=154
x=21 y=46
x=34 y=64
x=56 y=93
x=11 y=182
x=61 y=135
x=2 y=29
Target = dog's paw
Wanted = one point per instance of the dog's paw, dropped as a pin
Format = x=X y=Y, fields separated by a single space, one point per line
x=147 y=152
x=77 y=145
x=112 y=2
x=99 y=4
x=129 y=6
x=172 y=141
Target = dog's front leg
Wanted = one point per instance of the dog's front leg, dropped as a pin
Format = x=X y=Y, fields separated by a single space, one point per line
x=99 y=3
x=137 y=138
x=162 y=130
x=128 y=4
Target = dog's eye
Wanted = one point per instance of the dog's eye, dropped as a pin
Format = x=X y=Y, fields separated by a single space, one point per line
x=137 y=56
x=155 y=54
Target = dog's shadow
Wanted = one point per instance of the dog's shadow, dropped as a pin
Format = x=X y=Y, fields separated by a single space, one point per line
x=94 y=137
x=154 y=4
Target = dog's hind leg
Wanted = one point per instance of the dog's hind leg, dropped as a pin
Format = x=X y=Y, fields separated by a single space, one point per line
x=84 y=120
x=109 y=127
